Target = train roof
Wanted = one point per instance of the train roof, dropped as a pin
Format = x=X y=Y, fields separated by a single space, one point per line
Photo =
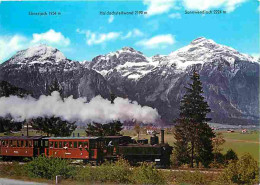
x=21 y=137
x=76 y=138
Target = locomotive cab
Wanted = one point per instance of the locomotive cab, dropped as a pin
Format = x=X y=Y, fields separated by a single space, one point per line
x=112 y=144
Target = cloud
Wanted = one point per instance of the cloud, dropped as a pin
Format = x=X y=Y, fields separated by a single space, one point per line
x=10 y=44
x=51 y=37
x=111 y=19
x=100 y=38
x=80 y=31
x=95 y=38
x=133 y=33
x=229 y=5
x=159 y=41
x=175 y=15
x=97 y=110
x=156 y=7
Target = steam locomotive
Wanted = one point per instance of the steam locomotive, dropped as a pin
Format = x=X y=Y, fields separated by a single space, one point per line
x=88 y=149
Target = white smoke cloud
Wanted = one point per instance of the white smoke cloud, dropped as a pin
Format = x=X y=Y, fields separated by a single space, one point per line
x=97 y=110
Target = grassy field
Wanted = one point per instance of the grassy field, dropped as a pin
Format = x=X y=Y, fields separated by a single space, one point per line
x=240 y=143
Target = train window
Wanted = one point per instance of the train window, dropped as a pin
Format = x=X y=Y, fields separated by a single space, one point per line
x=3 y=143
x=65 y=145
x=14 y=143
x=30 y=143
x=51 y=144
x=85 y=144
x=10 y=143
x=60 y=144
x=26 y=143
x=100 y=144
x=35 y=144
x=55 y=144
x=75 y=144
x=22 y=144
x=18 y=143
x=80 y=144
x=70 y=145
x=46 y=144
x=93 y=144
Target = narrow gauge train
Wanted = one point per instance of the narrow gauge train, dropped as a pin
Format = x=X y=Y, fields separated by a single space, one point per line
x=89 y=149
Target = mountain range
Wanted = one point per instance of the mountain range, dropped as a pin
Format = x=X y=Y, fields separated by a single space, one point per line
x=230 y=79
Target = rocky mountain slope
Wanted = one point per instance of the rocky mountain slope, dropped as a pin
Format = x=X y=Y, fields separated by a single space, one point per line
x=230 y=79
x=37 y=67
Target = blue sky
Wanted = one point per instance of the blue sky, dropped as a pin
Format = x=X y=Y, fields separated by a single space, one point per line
x=81 y=33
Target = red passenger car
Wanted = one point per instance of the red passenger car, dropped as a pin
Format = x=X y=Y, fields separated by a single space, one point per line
x=86 y=148
x=21 y=146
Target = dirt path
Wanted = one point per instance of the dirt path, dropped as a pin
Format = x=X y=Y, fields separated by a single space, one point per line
x=243 y=141
x=4 y=181
x=216 y=171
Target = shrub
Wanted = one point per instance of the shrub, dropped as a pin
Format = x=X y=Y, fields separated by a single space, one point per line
x=230 y=155
x=86 y=174
x=174 y=161
x=48 y=168
x=120 y=172
x=219 y=157
x=196 y=178
x=114 y=172
x=219 y=161
x=147 y=174
x=12 y=169
x=243 y=171
x=117 y=172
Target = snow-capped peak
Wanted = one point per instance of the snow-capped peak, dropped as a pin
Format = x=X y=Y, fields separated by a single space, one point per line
x=129 y=50
x=44 y=50
x=38 y=54
x=203 y=50
x=201 y=40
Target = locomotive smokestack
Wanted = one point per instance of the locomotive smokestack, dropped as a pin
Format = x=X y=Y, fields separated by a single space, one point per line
x=162 y=136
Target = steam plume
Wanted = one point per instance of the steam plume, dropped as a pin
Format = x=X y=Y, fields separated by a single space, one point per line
x=97 y=110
